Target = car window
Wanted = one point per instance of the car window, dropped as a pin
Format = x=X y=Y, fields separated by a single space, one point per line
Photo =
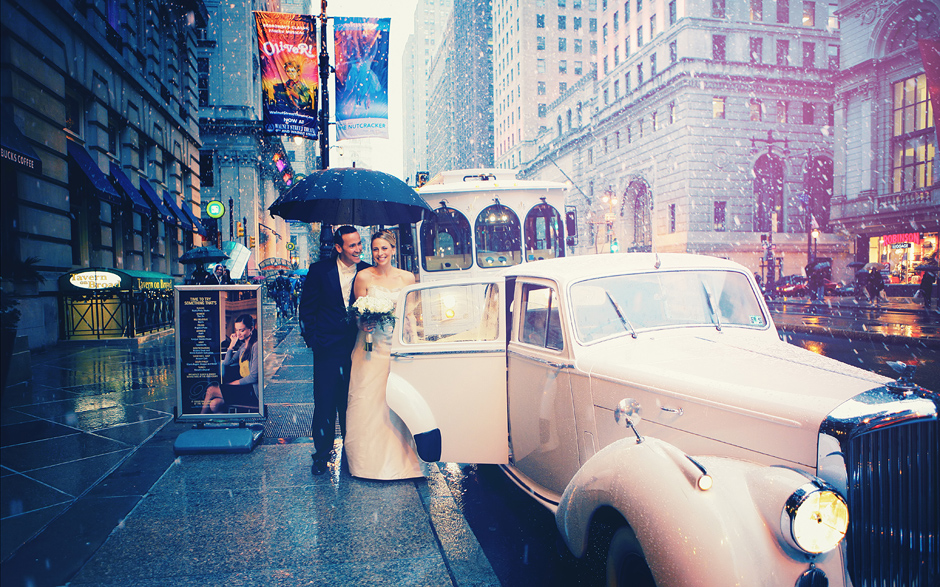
x=541 y=324
x=453 y=313
x=663 y=299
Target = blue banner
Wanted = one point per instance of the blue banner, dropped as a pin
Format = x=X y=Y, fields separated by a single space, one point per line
x=361 y=56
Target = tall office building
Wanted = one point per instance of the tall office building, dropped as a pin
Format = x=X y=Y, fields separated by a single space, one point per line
x=704 y=126
x=429 y=22
x=887 y=193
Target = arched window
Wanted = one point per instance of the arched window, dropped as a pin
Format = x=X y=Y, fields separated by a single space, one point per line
x=446 y=243
x=817 y=185
x=544 y=237
x=498 y=237
x=768 y=193
x=638 y=194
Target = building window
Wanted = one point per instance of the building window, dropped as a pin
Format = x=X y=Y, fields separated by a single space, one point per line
x=809 y=14
x=639 y=74
x=604 y=142
x=576 y=23
x=652 y=65
x=591 y=159
x=561 y=3
x=830 y=115
x=577 y=45
x=782 y=111
x=593 y=47
x=783 y=11
x=562 y=44
x=74 y=112
x=672 y=112
x=206 y=168
x=626 y=47
x=616 y=89
x=113 y=131
x=540 y=65
x=673 y=52
x=626 y=83
x=757 y=110
x=639 y=6
x=578 y=67
x=592 y=25
x=563 y=66
x=202 y=70
x=809 y=54
x=606 y=96
x=639 y=36
x=653 y=121
x=540 y=43
x=540 y=21
x=757 y=50
x=833 y=22
x=757 y=10
x=718 y=107
x=652 y=26
x=639 y=127
x=562 y=22
x=833 y=57
x=616 y=21
x=541 y=88
x=672 y=217
x=718 y=8
x=543 y=111
x=718 y=47
x=562 y=87
x=912 y=146
x=809 y=112
x=629 y=134
x=719 y=216
x=672 y=12
x=783 y=52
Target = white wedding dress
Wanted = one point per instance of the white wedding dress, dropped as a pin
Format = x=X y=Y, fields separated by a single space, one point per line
x=377 y=444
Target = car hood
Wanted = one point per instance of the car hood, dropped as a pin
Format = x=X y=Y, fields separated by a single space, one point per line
x=742 y=389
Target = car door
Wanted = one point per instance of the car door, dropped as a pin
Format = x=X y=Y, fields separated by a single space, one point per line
x=448 y=368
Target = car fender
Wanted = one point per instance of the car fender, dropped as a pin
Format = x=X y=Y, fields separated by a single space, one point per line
x=729 y=534
x=411 y=407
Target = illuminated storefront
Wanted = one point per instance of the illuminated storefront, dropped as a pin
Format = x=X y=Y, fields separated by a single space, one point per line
x=902 y=252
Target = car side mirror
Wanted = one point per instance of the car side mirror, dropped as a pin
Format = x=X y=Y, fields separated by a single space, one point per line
x=628 y=415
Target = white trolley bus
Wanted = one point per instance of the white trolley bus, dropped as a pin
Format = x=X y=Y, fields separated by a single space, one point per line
x=485 y=219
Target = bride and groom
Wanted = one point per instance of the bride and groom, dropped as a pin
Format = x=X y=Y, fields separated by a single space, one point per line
x=348 y=380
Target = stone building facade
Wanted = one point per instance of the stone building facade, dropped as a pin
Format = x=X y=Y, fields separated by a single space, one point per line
x=887 y=194
x=707 y=128
x=104 y=95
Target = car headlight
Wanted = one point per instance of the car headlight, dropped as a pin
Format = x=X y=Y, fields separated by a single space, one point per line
x=815 y=518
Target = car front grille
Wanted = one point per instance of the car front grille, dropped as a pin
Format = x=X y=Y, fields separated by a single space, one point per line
x=894 y=506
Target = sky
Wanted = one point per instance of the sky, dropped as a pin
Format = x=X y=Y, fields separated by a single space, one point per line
x=387 y=152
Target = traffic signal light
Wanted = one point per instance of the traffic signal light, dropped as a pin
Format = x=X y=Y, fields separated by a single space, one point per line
x=251 y=242
x=614 y=246
x=241 y=229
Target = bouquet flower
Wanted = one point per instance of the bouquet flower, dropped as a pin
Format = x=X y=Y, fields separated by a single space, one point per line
x=372 y=309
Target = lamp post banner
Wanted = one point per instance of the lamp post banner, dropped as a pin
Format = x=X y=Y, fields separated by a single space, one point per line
x=361 y=55
x=287 y=46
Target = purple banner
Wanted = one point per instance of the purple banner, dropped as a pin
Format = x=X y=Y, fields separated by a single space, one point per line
x=361 y=55
x=287 y=45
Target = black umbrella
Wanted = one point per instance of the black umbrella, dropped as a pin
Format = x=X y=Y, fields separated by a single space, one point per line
x=350 y=195
x=857 y=264
x=929 y=267
x=202 y=255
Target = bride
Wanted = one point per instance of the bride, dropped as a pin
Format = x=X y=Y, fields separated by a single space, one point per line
x=377 y=444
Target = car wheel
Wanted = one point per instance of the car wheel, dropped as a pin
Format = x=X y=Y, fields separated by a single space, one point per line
x=626 y=564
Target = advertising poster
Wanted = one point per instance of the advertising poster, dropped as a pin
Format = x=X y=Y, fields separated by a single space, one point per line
x=287 y=45
x=219 y=357
x=361 y=55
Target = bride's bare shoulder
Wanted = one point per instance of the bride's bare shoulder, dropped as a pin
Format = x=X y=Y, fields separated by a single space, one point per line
x=407 y=277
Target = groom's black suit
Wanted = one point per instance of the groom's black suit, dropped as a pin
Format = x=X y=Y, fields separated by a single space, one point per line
x=331 y=337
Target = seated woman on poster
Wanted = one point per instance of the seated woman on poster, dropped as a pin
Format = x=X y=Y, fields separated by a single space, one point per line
x=243 y=391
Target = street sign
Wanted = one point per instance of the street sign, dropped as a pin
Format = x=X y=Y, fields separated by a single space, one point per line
x=215 y=209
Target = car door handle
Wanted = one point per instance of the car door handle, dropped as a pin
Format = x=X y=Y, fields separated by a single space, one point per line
x=676 y=411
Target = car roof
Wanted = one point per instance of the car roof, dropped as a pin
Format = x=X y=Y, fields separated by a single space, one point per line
x=587 y=266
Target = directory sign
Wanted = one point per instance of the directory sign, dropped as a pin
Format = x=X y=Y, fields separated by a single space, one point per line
x=219 y=355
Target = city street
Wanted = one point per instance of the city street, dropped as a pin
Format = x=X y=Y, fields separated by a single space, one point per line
x=92 y=493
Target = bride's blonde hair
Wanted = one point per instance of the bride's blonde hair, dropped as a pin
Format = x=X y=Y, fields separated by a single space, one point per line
x=386 y=235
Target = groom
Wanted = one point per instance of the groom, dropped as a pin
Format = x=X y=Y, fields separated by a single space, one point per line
x=323 y=303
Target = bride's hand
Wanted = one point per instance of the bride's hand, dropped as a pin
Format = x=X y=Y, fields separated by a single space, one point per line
x=367 y=326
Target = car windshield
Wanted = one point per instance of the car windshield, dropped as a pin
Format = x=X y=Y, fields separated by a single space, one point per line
x=625 y=304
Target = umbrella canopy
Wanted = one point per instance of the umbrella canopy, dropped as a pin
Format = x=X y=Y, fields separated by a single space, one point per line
x=857 y=264
x=202 y=255
x=350 y=195
x=929 y=268
x=870 y=266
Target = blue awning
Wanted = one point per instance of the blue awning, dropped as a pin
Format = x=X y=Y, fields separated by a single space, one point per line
x=171 y=203
x=96 y=178
x=130 y=192
x=198 y=228
x=156 y=202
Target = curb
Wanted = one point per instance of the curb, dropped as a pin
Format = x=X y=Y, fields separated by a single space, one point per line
x=931 y=343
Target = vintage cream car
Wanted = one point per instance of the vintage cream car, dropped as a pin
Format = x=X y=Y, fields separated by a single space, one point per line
x=749 y=461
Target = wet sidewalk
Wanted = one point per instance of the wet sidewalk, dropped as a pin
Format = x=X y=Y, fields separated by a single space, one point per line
x=92 y=493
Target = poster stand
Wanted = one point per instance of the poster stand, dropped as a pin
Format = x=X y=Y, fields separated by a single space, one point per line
x=210 y=438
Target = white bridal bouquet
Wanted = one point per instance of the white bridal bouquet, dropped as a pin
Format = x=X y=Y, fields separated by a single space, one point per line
x=372 y=309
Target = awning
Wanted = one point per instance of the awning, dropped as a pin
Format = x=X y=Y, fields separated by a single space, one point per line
x=156 y=202
x=198 y=228
x=171 y=204
x=137 y=201
x=83 y=165
x=14 y=147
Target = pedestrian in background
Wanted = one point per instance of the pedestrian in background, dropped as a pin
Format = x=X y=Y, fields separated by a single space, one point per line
x=927 y=280
x=876 y=284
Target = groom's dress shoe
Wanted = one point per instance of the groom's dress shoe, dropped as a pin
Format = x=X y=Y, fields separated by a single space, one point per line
x=318 y=467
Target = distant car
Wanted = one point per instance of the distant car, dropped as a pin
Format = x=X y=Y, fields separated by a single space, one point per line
x=755 y=462
x=797 y=286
